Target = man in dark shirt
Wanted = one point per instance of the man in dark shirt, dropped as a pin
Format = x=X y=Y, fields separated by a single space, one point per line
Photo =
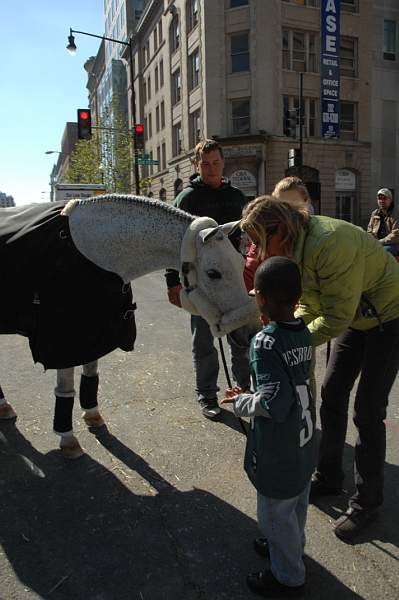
x=209 y=194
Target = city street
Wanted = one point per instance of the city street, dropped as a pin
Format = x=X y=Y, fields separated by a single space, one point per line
x=160 y=507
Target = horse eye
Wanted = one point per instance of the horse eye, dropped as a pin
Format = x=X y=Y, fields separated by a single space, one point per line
x=214 y=274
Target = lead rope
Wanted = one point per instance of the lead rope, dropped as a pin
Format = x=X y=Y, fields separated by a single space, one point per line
x=226 y=372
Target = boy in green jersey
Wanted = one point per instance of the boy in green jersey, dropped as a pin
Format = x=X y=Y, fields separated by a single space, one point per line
x=280 y=455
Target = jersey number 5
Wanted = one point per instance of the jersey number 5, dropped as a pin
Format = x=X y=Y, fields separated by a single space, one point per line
x=306 y=432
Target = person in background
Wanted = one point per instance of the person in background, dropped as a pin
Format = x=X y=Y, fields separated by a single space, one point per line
x=280 y=455
x=384 y=222
x=350 y=292
x=209 y=194
x=294 y=190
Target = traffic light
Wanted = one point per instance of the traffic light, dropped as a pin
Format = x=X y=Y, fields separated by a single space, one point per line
x=139 y=136
x=294 y=157
x=84 y=123
x=290 y=122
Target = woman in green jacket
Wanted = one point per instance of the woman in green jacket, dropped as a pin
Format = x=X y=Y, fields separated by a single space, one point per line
x=351 y=293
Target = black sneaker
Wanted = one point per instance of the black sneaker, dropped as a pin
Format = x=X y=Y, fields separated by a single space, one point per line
x=265 y=584
x=353 y=522
x=318 y=488
x=210 y=408
x=261 y=547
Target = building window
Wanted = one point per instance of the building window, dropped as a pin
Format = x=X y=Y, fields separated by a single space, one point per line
x=389 y=40
x=155 y=40
x=159 y=158
x=176 y=87
x=149 y=87
x=162 y=194
x=144 y=91
x=178 y=185
x=234 y=3
x=161 y=73
x=348 y=56
x=350 y=5
x=159 y=32
x=151 y=165
x=348 y=121
x=299 y=51
x=156 y=79
x=157 y=118
x=195 y=128
x=177 y=139
x=162 y=114
x=192 y=14
x=193 y=69
x=309 y=115
x=175 y=34
x=240 y=113
x=239 y=52
x=345 y=206
x=149 y=125
x=145 y=128
x=147 y=47
x=163 y=157
x=313 y=3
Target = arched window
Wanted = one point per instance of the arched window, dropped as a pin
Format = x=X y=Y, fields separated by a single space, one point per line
x=346 y=204
x=178 y=185
x=162 y=194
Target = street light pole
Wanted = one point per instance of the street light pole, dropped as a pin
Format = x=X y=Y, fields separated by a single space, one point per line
x=72 y=50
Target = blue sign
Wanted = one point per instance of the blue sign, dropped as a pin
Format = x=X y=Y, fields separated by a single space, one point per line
x=329 y=70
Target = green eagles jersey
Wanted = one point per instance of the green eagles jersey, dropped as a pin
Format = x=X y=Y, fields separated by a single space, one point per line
x=280 y=455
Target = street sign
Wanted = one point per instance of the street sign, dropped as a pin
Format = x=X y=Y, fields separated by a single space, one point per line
x=147 y=161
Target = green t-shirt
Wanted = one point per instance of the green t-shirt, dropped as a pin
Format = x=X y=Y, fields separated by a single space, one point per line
x=280 y=455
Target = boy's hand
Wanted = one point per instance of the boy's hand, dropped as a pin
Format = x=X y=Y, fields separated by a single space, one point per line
x=230 y=395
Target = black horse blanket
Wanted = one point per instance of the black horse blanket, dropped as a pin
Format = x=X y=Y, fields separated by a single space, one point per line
x=72 y=311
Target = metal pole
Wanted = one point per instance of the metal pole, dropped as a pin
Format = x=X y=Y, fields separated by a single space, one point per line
x=300 y=115
x=133 y=102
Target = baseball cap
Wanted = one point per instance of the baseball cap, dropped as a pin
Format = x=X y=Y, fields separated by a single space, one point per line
x=385 y=192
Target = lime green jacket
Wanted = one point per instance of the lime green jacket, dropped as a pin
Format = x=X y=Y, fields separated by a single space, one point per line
x=347 y=278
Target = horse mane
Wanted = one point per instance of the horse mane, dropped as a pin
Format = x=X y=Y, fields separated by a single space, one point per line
x=129 y=199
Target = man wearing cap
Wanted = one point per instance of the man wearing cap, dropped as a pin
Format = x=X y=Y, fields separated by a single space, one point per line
x=384 y=222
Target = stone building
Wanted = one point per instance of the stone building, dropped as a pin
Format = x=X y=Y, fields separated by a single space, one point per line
x=229 y=69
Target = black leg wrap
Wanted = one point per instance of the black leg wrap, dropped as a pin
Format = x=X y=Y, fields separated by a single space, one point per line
x=88 y=391
x=1 y=393
x=63 y=414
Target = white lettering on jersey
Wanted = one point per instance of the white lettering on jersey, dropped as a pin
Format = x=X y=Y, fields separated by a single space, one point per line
x=263 y=340
x=297 y=355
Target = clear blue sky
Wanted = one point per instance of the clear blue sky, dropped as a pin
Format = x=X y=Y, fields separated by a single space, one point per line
x=41 y=86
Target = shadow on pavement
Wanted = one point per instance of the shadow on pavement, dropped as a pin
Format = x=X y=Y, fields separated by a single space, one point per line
x=386 y=527
x=74 y=530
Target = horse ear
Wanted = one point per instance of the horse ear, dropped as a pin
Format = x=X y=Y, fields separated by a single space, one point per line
x=229 y=228
x=208 y=234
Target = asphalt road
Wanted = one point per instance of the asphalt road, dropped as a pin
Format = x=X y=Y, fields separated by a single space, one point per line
x=160 y=507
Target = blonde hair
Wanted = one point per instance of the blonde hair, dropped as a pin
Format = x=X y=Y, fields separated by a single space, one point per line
x=292 y=184
x=266 y=215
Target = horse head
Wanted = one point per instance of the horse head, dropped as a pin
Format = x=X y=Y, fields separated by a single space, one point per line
x=212 y=275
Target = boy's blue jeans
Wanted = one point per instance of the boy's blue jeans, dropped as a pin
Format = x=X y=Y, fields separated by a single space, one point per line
x=392 y=248
x=283 y=522
x=206 y=361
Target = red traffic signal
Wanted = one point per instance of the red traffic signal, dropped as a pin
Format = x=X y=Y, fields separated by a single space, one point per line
x=139 y=136
x=84 y=123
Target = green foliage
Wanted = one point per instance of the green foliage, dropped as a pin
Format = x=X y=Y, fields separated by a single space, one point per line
x=108 y=156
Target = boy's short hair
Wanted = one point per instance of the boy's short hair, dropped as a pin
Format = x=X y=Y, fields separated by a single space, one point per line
x=206 y=146
x=278 y=278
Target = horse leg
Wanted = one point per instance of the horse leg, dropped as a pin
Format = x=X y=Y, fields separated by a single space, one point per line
x=88 y=395
x=6 y=410
x=64 y=398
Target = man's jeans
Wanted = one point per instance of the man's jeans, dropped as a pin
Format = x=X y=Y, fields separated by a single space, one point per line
x=392 y=248
x=375 y=355
x=206 y=361
x=283 y=522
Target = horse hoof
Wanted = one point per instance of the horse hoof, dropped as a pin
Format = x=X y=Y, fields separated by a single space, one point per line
x=94 y=421
x=72 y=449
x=7 y=411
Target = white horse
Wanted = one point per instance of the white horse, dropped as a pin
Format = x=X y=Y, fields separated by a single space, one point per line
x=113 y=240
